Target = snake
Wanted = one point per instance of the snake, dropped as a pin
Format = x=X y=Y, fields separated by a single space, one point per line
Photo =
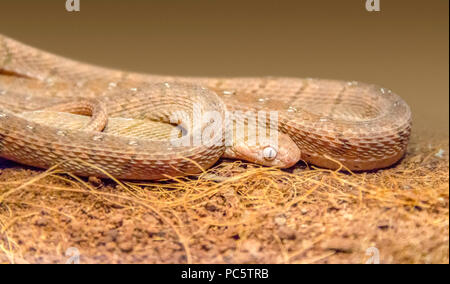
x=97 y=121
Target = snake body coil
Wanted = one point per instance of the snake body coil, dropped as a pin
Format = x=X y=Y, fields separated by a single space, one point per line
x=332 y=123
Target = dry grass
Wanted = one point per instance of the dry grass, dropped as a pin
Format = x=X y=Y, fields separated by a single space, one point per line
x=233 y=213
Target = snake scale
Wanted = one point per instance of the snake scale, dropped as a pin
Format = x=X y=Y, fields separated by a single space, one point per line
x=118 y=121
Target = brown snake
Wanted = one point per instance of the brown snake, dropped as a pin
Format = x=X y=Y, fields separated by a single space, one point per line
x=327 y=123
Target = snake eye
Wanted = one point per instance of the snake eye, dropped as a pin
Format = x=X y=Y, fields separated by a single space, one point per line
x=269 y=153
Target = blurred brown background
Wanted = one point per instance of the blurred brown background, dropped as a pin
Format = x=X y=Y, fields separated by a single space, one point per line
x=405 y=47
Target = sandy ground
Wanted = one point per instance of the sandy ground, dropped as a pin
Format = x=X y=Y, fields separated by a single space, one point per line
x=234 y=213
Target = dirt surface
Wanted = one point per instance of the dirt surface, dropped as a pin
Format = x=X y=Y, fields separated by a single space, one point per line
x=234 y=213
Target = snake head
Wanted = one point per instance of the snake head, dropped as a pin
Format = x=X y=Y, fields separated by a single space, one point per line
x=284 y=155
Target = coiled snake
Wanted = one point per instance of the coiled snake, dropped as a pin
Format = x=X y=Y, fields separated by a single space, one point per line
x=327 y=123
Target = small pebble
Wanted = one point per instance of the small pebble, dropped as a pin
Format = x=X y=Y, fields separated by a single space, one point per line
x=95 y=181
x=280 y=220
x=126 y=247
x=110 y=246
x=440 y=153
x=286 y=233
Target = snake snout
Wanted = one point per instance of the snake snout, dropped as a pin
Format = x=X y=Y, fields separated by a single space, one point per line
x=288 y=153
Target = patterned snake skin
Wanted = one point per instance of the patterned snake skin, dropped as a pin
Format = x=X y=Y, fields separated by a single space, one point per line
x=327 y=123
